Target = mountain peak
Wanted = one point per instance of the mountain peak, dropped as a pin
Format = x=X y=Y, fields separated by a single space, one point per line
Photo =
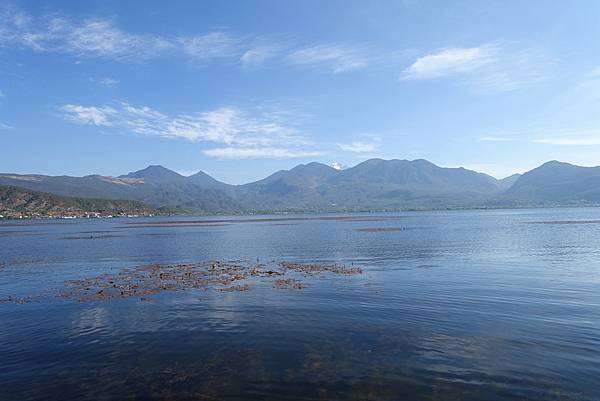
x=373 y=184
x=154 y=173
x=312 y=166
x=557 y=164
x=203 y=179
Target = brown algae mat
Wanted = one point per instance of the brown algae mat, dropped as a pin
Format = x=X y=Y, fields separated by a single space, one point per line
x=232 y=276
x=379 y=229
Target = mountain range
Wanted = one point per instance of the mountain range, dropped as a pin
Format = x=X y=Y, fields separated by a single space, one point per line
x=374 y=184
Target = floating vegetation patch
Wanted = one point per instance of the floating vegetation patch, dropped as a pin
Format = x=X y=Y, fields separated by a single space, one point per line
x=311 y=269
x=243 y=287
x=102 y=236
x=232 y=276
x=15 y=300
x=379 y=229
x=32 y=261
x=287 y=283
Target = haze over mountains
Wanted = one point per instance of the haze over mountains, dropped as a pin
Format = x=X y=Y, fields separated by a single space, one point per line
x=372 y=185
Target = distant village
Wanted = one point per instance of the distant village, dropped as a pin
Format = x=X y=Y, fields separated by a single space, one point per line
x=94 y=215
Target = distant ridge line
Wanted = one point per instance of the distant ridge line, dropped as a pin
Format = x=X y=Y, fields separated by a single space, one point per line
x=374 y=184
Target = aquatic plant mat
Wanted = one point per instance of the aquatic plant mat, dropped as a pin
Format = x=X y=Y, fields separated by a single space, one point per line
x=230 y=276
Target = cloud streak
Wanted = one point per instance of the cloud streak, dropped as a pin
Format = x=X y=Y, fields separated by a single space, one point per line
x=99 y=116
x=101 y=38
x=259 y=153
x=334 y=58
x=567 y=141
x=257 y=134
x=257 y=56
x=211 y=46
x=450 y=61
x=489 y=68
x=358 y=147
x=496 y=139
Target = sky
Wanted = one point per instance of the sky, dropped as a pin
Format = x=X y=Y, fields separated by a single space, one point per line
x=240 y=89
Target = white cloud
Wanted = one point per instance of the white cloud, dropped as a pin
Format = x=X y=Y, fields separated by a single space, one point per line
x=337 y=166
x=259 y=153
x=5 y=126
x=336 y=59
x=450 y=61
x=92 y=38
x=358 y=147
x=571 y=141
x=256 y=56
x=99 y=116
x=210 y=46
x=489 y=68
x=496 y=139
x=260 y=133
x=101 y=38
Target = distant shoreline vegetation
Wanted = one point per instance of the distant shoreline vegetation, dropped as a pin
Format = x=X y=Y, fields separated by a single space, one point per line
x=20 y=203
x=375 y=185
x=103 y=211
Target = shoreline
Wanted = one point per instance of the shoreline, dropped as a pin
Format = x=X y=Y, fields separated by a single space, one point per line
x=305 y=212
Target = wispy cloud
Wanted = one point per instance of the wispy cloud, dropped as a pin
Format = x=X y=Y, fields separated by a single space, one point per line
x=334 y=58
x=99 y=116
x=108 y=82
x=259 y=153
x=246 y=134
x=5 y=126
x=101 y=38
x=491 y=67
x=88 y=38
x=450 y=61
x=210 y=46
x=358 y=147
x=496 y=139
x=571 y=141
x=257 y=56
x=93 y=37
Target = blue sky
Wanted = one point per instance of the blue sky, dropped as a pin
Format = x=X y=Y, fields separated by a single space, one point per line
x=241 y=89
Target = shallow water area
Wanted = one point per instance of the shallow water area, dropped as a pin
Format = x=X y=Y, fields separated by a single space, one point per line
x=448 y=305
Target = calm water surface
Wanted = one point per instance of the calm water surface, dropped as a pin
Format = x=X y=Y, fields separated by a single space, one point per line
x=469 y=305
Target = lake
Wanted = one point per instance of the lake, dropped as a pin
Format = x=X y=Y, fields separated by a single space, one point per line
x=448 y=305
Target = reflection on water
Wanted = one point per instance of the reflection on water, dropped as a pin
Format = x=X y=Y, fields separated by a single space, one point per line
x=477 y=305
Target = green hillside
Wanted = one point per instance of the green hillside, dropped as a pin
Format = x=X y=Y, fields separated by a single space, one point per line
x=18 y=202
